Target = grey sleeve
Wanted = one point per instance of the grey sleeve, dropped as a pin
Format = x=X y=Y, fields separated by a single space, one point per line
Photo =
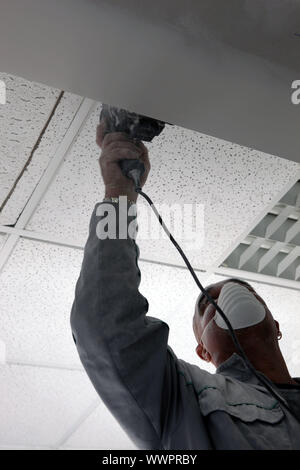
x=124 y=352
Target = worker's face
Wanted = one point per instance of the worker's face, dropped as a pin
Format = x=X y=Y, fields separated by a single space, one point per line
x=214 y=343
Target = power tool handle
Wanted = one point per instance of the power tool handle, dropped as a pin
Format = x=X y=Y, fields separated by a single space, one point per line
x=129 y=165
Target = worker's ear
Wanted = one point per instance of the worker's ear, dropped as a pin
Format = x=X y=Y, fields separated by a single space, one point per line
x=202 y=353
x=279 y=334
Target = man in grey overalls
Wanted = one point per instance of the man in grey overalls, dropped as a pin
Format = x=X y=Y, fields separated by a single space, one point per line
x=161 y=401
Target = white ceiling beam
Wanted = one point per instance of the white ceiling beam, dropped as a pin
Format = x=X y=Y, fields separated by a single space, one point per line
x=184 y=68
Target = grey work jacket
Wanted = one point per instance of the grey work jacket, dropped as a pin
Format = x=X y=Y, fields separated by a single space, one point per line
x=162 y=402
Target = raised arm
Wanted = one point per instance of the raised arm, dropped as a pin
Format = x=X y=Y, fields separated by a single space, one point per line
x=124 y=351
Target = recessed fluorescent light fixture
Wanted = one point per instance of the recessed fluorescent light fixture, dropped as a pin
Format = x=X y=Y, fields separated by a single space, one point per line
x=273 y=246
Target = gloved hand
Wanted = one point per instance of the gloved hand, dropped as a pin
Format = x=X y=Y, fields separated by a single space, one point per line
x=116 y=146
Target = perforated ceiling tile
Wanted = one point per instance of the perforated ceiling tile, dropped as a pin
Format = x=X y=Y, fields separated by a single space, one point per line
x=18 y=155
x=283 y=303
x=37 y=292
x=75 y=190
x=28 y=106
x=99 y=431
x=234 y=183
x=39 y=406
x=172 y=294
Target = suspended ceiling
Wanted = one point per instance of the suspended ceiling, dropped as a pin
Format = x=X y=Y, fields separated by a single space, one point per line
x=51 y=182
x=221 y=72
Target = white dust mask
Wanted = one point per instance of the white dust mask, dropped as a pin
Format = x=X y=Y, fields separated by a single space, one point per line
x=240 y=306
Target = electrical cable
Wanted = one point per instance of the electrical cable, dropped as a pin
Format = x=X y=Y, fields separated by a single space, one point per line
x=236 y=342
x=139 y=128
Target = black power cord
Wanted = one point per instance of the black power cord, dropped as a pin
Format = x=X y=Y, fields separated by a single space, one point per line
x=140 y=127
x=260 y=377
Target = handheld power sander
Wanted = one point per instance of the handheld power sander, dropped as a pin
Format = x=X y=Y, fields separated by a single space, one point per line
x=144 y=128
x=138 y=127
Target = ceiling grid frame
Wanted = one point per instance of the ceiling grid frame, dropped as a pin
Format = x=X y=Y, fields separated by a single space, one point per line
x=77 y=123
x=216 y=268
x=19 y=231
